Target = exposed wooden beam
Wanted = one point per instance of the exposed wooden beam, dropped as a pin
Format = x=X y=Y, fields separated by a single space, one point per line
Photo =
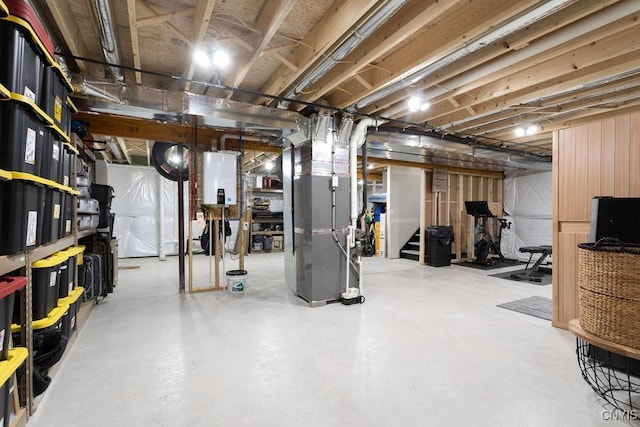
x=204 y=9
x=169 y=26
x=135 y=45
x=74 y=37
x=363 y=82
x=290 y=65
x=600 y=55
x=123 y=148
x=399 y=28
x=516 y=41
x=453 y=31
x=341 y=16
x=157 y=19
x=269 y=20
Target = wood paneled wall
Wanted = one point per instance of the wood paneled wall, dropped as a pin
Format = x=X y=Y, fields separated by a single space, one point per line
x=447 y=208
x=599 y=159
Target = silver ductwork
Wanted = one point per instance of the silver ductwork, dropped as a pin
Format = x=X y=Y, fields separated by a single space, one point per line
x=532 y=16
x=102 y=15
x=420 y=148
x=367 y=28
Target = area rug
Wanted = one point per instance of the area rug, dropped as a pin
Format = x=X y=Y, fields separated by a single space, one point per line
x=545 y=279
x=533 y=306
x=498 y=264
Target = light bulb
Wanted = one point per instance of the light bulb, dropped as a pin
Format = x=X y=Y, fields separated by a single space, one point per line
x=532 y=129
x=425 y=106
x=269 y=165
x=221 y=59
x=414 y=103
x=201 y=58
x=519 y=131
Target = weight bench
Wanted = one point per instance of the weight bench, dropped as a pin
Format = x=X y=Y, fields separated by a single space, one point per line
x=533 y=274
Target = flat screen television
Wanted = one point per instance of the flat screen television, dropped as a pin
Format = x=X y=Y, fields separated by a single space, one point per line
x=615 y=217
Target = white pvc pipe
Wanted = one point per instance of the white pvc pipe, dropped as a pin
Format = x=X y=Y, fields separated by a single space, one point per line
x=357 y=139
x=161 y=253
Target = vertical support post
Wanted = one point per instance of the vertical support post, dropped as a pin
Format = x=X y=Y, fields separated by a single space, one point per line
x=25 y=387
x=423 y=215
x=180 y=220
x=216 y=239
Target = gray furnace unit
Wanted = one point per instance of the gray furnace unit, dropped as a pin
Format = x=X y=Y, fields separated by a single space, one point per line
x=316 y=214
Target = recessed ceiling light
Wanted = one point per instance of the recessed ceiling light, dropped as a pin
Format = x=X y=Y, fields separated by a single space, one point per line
x=201 y=58
x=414 y=103
x=221 y=59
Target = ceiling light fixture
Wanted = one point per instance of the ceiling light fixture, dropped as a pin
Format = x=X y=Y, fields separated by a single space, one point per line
x=218 y=58
x=269 y=165
x=526 y=130
x=415 y=103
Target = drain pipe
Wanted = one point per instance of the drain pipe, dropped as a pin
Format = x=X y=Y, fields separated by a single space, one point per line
x=103 y=18
x=357 y=139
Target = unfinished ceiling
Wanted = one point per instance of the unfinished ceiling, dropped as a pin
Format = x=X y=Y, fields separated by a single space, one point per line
x=483 y=67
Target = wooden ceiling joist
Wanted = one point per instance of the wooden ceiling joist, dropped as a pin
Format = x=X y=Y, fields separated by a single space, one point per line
x=135 y=45
x=269 y=20
x=204 y=9
x=338 y=20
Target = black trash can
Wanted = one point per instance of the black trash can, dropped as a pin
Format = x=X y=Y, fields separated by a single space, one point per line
x=439 y=238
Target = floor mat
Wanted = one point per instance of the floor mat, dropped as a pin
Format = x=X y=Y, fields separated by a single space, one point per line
x=544 y=279
x=498 y=264
x=533 y=306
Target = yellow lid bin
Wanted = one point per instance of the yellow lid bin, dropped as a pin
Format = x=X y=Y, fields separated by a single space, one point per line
x=46 y=283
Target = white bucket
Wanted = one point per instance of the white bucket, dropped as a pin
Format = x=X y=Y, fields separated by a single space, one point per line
x=236 y=281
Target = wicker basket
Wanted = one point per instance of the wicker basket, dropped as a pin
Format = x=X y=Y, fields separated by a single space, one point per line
x=609 y=291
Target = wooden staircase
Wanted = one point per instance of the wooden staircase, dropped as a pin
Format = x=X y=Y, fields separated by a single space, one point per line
x=411 y=249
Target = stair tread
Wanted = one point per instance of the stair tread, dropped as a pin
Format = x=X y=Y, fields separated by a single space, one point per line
x=413 y=243
x=409 y=251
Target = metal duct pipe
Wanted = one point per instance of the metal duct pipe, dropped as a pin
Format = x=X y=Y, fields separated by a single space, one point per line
x=557 y=38
x=528 y=18
x=102 y=16
x=357 y=36
x=357 y=139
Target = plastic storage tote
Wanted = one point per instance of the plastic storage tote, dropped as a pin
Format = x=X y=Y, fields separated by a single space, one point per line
x=52 y=215
x=54 y=96
x=29 y=19
x=22 y=213
x=8 y=367
x=67 y=164
x=69 y=319
x=68 y=270
x=21 y=65
x=46 y=280
x=21 y=139
x=8 y=288
x=88 y=206
x=52 y=321
x=52 y=156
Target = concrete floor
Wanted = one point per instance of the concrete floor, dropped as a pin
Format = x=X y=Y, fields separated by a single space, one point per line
x=429 y=347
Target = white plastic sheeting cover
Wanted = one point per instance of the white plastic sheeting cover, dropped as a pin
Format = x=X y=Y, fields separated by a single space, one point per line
x=137 y=211
x=528 y=206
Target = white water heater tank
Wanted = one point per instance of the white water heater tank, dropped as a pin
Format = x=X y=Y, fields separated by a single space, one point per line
x=219 y=173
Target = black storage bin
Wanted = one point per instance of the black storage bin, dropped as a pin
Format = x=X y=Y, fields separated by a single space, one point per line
x=46 y=282
x=67 y=166
x=439 y=238
x=8 y=288
x=54 y=96
x=21 y=139
x=52 y=215
x=69 y=319
x=22 y=214
x=68 y=285
x=21 y=66
x=52 y=156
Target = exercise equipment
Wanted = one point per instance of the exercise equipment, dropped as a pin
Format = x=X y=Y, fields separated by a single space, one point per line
x=533 y=274
x=486 y=242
